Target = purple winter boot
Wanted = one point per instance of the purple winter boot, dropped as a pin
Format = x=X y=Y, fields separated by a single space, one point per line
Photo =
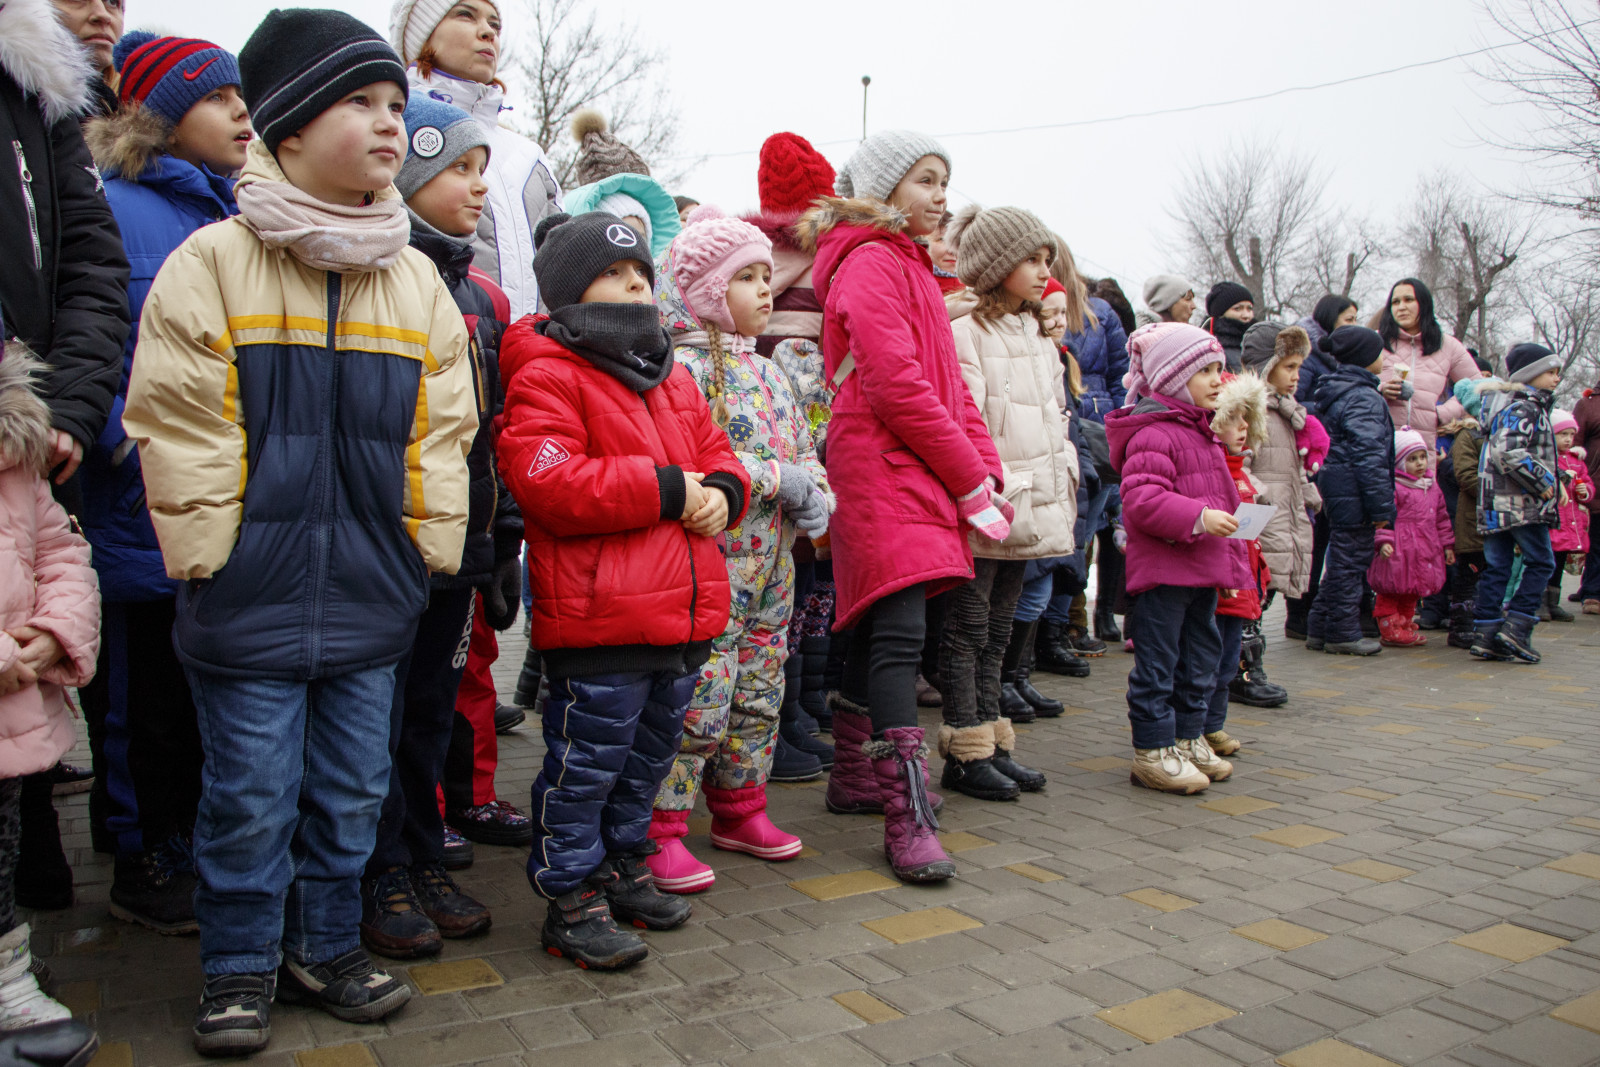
x=852 y=787
x=909 y=840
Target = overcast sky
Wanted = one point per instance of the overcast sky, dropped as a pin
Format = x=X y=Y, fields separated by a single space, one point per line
x=742 y=70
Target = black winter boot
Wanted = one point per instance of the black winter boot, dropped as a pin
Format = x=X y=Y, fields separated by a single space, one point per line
x=1552 y=605
x=527 y=694
x=1052 y=654
x=1005 y=743
x=1012 y=705
x=1250 y=686
x=1515 y=639
x=1486 y=640
x=1012 y=702
x=1041 y=706
x=790 y=718
x=578 y=926
x=633 y=895
x=155 y=888
x=790 y=764
x=1105 y=623
x=1460 y=625
x=969 y=768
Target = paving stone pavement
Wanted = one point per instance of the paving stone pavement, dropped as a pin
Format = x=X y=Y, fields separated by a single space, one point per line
x=1404 y=869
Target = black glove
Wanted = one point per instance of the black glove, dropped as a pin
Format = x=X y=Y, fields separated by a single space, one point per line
x=503 y=595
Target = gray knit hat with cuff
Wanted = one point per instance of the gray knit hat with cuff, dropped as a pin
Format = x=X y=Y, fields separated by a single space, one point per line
x=882 y=160
x=1527 y=361
x=990 y=243
x=1164 y=290
x=437 y=135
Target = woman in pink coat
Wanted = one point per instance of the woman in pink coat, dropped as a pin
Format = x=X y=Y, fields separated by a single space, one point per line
x=1413 y=552
x=49 y=638
x=912 y=464
x=1418 y=351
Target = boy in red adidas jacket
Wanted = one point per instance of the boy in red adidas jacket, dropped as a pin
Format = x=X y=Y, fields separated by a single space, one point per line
x=624 y=482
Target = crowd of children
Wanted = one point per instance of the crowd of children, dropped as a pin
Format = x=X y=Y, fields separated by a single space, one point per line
x=357 y=384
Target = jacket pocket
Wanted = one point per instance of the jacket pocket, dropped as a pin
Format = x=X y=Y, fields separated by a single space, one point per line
x=915 y=494
x=1019 y=493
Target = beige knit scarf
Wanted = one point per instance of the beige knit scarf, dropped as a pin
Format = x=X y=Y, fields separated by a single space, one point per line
x=324 y=236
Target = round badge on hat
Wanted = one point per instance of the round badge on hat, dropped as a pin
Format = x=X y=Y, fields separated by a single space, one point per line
x=427 y=142
x=622 y=235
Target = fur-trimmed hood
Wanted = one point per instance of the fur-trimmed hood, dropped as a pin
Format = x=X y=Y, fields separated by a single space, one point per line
x=24 y=419
x=127 y=143
x=836 y=211
x=1244 y=397
x=44 y=58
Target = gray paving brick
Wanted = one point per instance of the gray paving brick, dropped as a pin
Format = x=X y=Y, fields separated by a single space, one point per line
x=1409 y=1035
x=1025 y=1009
x=1544 y=1042
x=1273 y=1028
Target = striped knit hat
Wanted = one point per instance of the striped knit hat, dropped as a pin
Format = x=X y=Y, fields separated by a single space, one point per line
x=170 y=75
x=301 y=61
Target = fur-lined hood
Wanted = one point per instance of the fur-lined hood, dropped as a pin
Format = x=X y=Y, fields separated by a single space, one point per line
x=1244 y=397
x=127 y=143
x=24 y=419
x=44 y=58
x=836 y=211
x=1455 y=426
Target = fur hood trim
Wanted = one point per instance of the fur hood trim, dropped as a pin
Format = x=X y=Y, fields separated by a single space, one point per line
x=834 y=211
x=1455 y=426
x=1245 y=396
x=43 y=57
x=127 y=143
x=1580 y=452
x=24 y=419
x=1291 y=341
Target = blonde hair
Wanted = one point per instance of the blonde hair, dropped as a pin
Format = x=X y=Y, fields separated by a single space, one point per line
x=1074 y=375
x=718 y=386
x=994 y=306
x=1064 y=269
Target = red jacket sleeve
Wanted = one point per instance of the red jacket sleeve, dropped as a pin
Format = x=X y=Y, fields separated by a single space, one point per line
x=716 y=458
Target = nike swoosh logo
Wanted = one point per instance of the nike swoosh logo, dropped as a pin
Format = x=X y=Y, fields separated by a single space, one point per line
x=191 y=75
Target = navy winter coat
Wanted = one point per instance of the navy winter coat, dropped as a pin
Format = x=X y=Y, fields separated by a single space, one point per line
x=1102 y=361
x=1357 y=479
x=1315 y=366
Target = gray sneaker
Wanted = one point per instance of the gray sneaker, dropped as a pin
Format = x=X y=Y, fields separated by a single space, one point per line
x=1362 y=646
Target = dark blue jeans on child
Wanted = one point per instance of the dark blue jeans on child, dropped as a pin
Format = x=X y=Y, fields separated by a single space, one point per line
x=1231 y=629
x=1176 y=649
x=1538 y=564
x=294 y=777
x=609 y=742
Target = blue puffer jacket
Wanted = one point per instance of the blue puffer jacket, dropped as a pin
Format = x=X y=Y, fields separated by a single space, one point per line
x=157 y=207
x=1357 y=479
x=1315 y=366
x=1102 y=361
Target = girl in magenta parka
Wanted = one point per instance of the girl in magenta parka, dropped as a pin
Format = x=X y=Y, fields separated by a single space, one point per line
x=911 y=462
x=1571 y=538
x=1178 y=504
x=1414 y=550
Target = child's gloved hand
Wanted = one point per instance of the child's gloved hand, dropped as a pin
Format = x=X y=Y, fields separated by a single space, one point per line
x=1119 y=537
x=987 y=512
x=795 y=486
x=1450 y=557
x=503 y=593
x=812 y=516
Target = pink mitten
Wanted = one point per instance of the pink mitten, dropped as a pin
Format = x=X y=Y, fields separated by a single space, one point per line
x=988 y=512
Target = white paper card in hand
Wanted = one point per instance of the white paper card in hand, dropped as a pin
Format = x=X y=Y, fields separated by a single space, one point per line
x=1253 y=518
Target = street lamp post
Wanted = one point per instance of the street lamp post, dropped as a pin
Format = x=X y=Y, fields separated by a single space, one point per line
x=866 y=80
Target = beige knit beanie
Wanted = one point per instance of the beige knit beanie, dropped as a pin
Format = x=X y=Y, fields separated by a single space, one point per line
x=600 y=154
x=990 y=243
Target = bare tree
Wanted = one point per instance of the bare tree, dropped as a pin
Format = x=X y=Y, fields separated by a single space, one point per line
x=1563 y=306
x=1250 y=215
x=1462 y=245
x=563 y=59
x=1339 y=254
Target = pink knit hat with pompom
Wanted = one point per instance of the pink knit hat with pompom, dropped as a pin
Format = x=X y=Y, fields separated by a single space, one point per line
x=1407 y=441
x=711 y=249
x=1163 y=356
x=1562 y=420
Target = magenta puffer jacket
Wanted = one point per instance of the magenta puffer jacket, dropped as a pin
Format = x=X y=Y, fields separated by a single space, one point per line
x=905 y=438
x=1421 y=531
x=1573 y=533
x=1172 y=468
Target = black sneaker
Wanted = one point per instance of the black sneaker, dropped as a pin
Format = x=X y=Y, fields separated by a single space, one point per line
x=457 y=851
x=68 y=1043
x=494 y=823
x=69 y=778
x=393 y=922
x=578 y=926
x=348 y=987
x=790 y=764
x=633 y=895
x=508 y=717
x=235 y=1016
x=455 y=913
x=155 y=888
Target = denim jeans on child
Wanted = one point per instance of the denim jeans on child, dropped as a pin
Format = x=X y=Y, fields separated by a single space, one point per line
x=1231 y=629
x=1035 y=598
x=1537 y=565
x=294 y=779
x=1176 y=651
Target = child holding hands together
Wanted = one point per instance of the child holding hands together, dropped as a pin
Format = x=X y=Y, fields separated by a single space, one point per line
x=1412 y=553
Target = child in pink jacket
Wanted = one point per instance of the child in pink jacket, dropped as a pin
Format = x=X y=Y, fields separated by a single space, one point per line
x=1571 y=538
x=1414 y=550
x=49 y=638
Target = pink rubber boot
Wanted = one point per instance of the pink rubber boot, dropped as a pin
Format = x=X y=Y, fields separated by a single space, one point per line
x=910 y=839
x=739 y=823
x=674 y=866
x=852 y=787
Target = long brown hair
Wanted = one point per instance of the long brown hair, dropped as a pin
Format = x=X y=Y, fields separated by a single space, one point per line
x=1064 y=269
x=994 y=306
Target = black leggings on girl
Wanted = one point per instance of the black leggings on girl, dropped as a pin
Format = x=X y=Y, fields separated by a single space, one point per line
x=880 y=670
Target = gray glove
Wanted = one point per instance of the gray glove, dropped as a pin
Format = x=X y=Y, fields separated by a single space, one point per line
x=812 y=516
x=795 y=486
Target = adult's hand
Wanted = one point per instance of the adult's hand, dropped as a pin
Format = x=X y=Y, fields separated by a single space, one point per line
x=65 y=453
x=1391 y=389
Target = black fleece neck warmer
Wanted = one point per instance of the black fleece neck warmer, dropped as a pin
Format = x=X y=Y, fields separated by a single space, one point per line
x=624 y=340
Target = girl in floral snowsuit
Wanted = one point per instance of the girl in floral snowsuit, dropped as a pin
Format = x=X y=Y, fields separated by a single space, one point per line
x=713 y=289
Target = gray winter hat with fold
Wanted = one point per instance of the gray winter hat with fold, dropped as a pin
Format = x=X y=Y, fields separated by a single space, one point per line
x=882 y=160
x=1164 y=290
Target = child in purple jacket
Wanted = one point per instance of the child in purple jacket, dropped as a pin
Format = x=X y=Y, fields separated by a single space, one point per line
x=1178 y=500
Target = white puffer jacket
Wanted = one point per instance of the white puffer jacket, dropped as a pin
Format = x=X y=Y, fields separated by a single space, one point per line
x=522 y=189
x=1015 y=377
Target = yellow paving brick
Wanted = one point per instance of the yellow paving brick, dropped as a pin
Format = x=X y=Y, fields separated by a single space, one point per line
x=80 y=997
x=961 y=841
x=1395 y=728
x=1369 y=794
x=113 y=1054
x=1534 y=742
x=1297 y=836
x=1464 y=743
x=1103 y=763
x=1517 y=793
x=1525 y=768
x=1567 y=688
x=1164 y=1015
x=1293 y=775
x=920 y=925
x=700 y=824
x=1377 y=870
x=1585 y=822
x=1278 y=934
x=1471 y=705
x=1076 y=711
x=806 y=852
x=834 y=886
x=1508 y=942
x=1584 y=1012
x=1038 y=874
x=1160 y=899
x=1236 y=721
x=452 y=976
x=1237 y=805
x=1331 y=1053
x=336 y=1056
x=1584 y=863
x=1474 y=676
x=1356 y=709
x=866 y=1006
x=1322 y=694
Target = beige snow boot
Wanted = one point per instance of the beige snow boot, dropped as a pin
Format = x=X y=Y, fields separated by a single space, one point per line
x=1198 y=751
x=1166 y=769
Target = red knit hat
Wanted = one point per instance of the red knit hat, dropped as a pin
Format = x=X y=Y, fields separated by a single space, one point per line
x=792 y=174
x=1053 y=286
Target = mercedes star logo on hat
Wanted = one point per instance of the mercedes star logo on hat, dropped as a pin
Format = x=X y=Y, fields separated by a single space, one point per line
x=622 y=235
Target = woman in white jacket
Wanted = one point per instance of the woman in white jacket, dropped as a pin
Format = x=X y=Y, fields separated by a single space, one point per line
x=1011 y=367
x=451 y=49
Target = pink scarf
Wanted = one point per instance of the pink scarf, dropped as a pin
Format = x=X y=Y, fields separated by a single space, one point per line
x=324 y=236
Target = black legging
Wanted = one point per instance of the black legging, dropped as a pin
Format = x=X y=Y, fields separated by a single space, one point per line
x=880 y=670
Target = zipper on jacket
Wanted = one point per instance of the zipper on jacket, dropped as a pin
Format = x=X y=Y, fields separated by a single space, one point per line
x=325 y=488
x=26 y=177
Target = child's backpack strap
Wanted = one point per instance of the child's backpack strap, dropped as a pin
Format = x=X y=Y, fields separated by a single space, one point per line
x=847 y=365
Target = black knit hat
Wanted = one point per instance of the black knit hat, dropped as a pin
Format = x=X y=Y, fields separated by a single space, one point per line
x=570 y=252
x=1224 y=295
x=1527 y=361
x=1353 y=346
x=301 y=61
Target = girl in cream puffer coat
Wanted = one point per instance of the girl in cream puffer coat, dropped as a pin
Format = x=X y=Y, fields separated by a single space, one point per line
x=1011 y=367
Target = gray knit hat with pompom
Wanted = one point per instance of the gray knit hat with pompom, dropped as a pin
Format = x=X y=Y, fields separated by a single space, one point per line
x=989 y=243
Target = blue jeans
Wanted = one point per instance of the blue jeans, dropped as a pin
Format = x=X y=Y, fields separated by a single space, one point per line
x=1059 y=608
x=1231 y=629
x=1176 y=649
x=295 y=775
x=1035 y=598
x=1538 y=563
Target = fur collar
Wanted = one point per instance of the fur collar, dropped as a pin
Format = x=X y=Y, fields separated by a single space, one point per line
x=128 y=142
x=836 y=211
x=44 y=58
x=1455 y=426
x=24 y=419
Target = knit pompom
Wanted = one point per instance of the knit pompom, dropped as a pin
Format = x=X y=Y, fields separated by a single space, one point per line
x=705 y=213
x=957 y=229
x=127 y=43
x=546 y=224
x=587 y=121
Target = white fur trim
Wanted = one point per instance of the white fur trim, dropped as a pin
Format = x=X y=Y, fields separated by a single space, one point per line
x=44 y=58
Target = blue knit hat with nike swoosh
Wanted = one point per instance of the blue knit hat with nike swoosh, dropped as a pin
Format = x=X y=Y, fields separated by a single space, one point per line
x=170 y=75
